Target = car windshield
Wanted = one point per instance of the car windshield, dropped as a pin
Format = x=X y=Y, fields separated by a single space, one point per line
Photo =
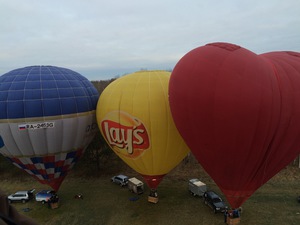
x=215 y=200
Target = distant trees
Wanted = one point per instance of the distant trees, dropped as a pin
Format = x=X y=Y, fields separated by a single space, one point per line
x=98 y=151
x=102 y=84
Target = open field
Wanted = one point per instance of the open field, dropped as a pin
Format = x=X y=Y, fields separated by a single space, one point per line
x=109 y=204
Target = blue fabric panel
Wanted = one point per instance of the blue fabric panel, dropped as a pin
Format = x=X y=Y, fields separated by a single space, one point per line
x=15 y=95
x=5 y=86
x=33 y=85
x=3 y=97
x=68 y=91
x=58 y=77
x=49 y=165
x=49 y=84
x=22 y=166
x=68 y=106
x=33 y=77
x=7 y=79
x=71 y=155
x=63 y=84
x=17 y=86
x=65 y=93
x=20 y=78
x=58 y=169
x=32 y=94
x=3 y=111
x=36 y=160
x=15 y=109
x=79 y=92
x=33 y=108
x=50 y=94
x=75 y=83
x=36 y=172
x=82 y=104
x=52 y=107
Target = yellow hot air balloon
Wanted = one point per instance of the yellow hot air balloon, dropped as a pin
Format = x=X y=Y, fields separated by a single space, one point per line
x=134 y=117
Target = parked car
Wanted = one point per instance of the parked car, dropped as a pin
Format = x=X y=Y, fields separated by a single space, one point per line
x=196 y=187
x=44 y=196
x=21 y=196
x=120 y=179
x=214 y=201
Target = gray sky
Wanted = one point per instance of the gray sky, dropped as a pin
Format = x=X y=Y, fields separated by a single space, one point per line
x=106 y=39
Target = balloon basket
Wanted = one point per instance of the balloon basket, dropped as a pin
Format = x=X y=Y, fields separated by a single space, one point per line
x=152 y=199
x=233 y=217
x=153 y=196
x=54 y=205
x=233 y=221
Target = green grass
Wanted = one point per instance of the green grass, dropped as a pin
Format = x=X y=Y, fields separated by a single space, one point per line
x=108 y=204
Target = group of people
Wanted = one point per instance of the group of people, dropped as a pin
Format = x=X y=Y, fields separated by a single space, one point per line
x=53 y=200
x=235 y=213
x=153 y=193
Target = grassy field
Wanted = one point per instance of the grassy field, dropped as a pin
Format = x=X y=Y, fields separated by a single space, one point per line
x=109 y=204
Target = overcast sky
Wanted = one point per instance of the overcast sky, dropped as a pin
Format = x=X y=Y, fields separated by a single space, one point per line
x=107 y=39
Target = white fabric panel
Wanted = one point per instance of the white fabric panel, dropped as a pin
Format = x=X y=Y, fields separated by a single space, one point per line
x=67 y=134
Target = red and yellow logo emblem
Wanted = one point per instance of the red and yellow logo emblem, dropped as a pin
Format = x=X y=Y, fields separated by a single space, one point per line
x=125 y=134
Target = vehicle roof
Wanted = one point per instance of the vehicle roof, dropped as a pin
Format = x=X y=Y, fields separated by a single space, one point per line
x=135 y=181
x=122 y=176
x=197 y=182
x=213 y=194
x=45 y=193
x=194 y=180
x=21 y=192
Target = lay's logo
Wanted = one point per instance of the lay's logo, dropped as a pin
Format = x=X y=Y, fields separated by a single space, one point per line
x=125 y=134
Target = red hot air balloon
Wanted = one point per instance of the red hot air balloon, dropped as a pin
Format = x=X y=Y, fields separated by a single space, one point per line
x=239 y=113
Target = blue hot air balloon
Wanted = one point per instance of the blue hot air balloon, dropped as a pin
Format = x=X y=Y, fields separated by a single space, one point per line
x=47 y=120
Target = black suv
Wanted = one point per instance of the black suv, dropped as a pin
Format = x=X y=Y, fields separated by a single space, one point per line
x=214 y=201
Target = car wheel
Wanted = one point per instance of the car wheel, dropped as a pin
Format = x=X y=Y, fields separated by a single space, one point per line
x=205 y=202
x=43 y=202
x=23 y=201
x=9 y=201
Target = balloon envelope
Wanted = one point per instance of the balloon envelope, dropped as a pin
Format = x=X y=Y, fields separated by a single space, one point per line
x=134 y=117
x=239 y=114
x=47 y=119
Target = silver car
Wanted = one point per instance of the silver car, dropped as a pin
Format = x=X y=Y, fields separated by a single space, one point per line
x=120 y=179
x=21 y=196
